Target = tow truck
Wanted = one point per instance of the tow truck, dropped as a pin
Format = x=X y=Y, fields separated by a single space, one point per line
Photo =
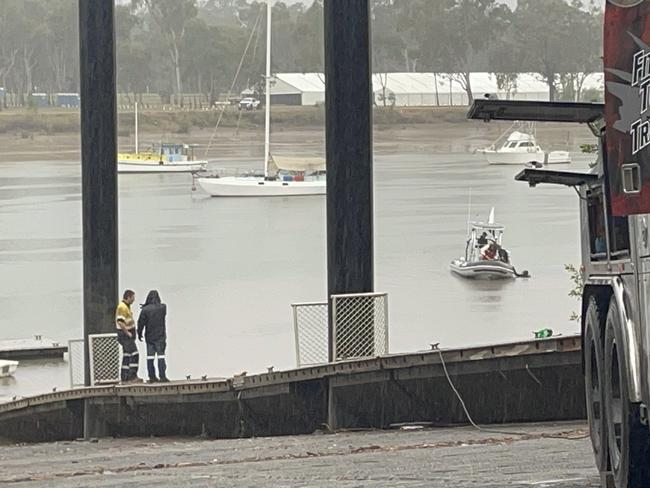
x=615 y=244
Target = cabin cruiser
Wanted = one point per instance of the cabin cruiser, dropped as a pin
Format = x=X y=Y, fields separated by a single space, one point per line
x=520 y=147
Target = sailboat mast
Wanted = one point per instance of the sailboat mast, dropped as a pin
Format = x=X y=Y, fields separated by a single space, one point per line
x=136 y=127
x=267 y=92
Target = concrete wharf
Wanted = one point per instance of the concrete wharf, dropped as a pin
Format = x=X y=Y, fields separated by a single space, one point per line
x=526 y=381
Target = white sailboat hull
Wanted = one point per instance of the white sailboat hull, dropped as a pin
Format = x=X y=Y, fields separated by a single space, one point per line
x=230 y=186
x=135 y=166
x=486 y=270
x=257 y=186
x=7 y=368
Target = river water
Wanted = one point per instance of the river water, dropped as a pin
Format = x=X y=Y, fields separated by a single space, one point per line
x=229 y=269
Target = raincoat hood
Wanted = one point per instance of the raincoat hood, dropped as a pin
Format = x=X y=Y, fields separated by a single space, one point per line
x=153 y=298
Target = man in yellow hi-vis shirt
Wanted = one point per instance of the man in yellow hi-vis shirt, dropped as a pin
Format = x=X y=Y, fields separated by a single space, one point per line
x=126 y=337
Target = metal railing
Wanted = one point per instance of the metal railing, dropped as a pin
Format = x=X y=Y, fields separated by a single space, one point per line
x=105 y=357
x=359 y=323
x=76 y=362
x=310 y=329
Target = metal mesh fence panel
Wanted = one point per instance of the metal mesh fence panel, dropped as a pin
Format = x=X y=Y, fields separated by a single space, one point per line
x=105 y=358
x=310 y=328
x=360 y=324
x=76 y=362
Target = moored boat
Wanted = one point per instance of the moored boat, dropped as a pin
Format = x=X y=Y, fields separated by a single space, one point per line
x=7 y=368
x=521 y=147
x=161 y=158
x=293 y=176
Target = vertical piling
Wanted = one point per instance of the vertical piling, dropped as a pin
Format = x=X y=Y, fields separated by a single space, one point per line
x=348 y=119
x=98 y=171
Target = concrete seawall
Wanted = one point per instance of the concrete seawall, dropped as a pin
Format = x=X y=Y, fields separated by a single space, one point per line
x=528 y=381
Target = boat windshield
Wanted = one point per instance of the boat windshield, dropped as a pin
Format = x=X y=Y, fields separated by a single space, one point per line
x=481 y=236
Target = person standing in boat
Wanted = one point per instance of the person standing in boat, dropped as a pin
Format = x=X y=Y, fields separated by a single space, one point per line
x=152 y=323
x=126 y=337
x=489 y=251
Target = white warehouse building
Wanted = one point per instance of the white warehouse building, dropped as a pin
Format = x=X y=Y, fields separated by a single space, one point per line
x=414 y=89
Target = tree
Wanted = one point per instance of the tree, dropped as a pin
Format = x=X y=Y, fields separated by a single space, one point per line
x=283 y=48
x=387 y=45
x=166 y=46
x=507 y=82
x=171 y=17
x=421 y=19
x=33 y=30
x=217 y=53
x=470 y=27
x=409 y=35
x=61 y=46
x=563 y=48
x=9 y=49
x=584 y=52
x=133 y=53
x=454 y=35
x=223 y=12
x=308 y=37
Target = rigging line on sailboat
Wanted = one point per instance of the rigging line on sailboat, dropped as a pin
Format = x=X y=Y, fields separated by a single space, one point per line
x=504 y=135
x=234 y=81
x=469 y=209
x=239 y=118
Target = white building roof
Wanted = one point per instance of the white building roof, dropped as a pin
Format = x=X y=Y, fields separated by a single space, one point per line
x=405 y=83
x=304 y=82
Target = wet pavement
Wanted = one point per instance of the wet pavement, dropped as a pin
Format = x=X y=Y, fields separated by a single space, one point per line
x=540 y=455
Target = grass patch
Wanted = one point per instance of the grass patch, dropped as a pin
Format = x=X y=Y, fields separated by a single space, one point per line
x=182 y=122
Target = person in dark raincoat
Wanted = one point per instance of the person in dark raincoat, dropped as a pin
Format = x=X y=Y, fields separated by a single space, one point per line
x=152 y=323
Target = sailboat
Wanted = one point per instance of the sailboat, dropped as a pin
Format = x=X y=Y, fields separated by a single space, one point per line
x=159 y=158
x=292 y=176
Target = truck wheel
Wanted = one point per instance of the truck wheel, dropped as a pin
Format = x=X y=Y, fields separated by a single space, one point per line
x=627 y=437
x=594 y=380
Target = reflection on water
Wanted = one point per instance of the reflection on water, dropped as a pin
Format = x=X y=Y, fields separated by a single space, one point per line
x=230 y=268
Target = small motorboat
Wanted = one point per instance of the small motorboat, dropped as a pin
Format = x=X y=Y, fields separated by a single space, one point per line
x=7 y=368
x=485 y=258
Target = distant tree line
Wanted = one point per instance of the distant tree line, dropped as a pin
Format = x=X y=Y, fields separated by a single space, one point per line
x=176 y=47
